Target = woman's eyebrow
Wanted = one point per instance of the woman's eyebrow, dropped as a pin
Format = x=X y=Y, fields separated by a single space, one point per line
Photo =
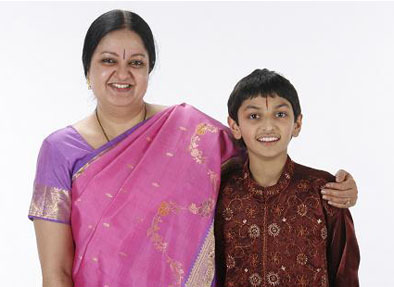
x=115 y=54
x=108 y=52
x=138 y=54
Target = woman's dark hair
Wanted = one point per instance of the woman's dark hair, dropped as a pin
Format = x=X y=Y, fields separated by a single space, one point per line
x=117 y=20
x=262 y=83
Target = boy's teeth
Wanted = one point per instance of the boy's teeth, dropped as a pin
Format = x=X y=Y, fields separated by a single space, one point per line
x=268 y=139
x=121 y=86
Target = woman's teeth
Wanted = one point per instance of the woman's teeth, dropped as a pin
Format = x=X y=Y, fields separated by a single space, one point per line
x=121 y=86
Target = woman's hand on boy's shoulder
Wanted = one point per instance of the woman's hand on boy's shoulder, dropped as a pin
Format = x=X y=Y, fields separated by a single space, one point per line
x=343 y=193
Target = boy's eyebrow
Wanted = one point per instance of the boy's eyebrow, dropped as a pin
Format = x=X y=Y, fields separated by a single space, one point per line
x=248 y=107
x=282 y=105
x=252 y=107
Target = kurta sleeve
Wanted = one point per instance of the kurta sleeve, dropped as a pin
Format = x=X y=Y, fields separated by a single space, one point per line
x=220 y=261
x=343 y=254
x=52 y=185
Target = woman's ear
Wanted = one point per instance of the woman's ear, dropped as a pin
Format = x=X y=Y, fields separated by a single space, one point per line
x=234 y=128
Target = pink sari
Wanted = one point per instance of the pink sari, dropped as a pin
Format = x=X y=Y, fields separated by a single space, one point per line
x=142 y=210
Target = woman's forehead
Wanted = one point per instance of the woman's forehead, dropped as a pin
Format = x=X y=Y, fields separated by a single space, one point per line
x=120 y=40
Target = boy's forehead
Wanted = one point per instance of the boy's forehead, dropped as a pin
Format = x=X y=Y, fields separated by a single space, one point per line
x=260 y=101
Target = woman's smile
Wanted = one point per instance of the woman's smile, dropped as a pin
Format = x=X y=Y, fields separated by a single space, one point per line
x=121 y=88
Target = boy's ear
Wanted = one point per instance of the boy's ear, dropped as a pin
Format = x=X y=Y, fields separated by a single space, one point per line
x=297 y=126
x=234 y=128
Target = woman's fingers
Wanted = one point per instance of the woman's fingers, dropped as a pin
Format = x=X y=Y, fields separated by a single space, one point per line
x=343 y=193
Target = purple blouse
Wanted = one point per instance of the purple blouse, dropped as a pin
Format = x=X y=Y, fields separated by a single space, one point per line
x=61 y=155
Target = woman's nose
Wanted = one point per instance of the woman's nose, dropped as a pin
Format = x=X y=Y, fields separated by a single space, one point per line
x=123 y=72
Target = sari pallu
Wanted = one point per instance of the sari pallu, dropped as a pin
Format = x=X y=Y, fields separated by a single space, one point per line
x=142 y=211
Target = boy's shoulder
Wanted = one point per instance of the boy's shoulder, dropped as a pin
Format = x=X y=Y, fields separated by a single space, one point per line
x=231 y=178
x=312 y=174
x=233 y=169
x=313 y=180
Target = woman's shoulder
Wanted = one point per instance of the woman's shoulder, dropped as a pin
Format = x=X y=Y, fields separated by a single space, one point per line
x=154 y=109
x=60 y=136
x=65 y=137
x=194 y=113
x=65 y=141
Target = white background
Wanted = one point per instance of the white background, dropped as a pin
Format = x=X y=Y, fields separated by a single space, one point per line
x=339 y=56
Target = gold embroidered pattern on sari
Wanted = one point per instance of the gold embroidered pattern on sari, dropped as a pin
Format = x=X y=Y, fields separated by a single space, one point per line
x=206 y=256
x=165 y=209
x=205 y=209
x=201 y=130
x=204 y=268
x=51 y=203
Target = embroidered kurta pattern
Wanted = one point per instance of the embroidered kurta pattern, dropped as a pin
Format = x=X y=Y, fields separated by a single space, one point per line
x=277 y=236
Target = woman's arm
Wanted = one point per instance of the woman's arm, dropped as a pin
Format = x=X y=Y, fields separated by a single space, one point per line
x=56 y=252
x=342 y=193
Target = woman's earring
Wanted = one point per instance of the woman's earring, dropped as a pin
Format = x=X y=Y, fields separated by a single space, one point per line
x=88 y=83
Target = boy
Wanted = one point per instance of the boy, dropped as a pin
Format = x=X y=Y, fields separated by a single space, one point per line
x=272 y=227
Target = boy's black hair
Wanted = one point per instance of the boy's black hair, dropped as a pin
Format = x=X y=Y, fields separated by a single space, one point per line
x=262 y=83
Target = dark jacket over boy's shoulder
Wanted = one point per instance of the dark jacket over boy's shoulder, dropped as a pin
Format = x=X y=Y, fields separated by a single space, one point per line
x=283 y=235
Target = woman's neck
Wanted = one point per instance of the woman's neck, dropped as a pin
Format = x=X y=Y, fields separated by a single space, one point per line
x=115 y=121
x=266 y=172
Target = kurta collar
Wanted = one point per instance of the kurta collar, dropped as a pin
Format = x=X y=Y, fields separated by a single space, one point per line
x=281 y=185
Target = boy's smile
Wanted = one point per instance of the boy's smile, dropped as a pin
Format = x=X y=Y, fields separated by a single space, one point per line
x=266 y=125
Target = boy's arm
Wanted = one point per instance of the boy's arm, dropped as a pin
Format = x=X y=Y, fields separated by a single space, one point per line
x=343 y=254
x=343 y=192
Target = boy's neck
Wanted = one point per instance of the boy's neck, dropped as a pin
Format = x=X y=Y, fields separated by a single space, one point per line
x=267 y=171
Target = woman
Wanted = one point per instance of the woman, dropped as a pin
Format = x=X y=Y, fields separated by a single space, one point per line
x=133 y=185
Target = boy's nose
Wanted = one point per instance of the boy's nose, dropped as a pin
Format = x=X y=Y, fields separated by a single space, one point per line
x=267 y=125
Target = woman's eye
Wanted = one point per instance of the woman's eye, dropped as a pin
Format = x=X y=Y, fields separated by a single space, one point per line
x=254 y=116
x=108 y=61
x=281 y=114
x=137 y=63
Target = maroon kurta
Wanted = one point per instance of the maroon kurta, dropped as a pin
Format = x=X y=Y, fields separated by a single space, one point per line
x=283 y=235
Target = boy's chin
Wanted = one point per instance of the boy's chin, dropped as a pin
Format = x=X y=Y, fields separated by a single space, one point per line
x=270 y=156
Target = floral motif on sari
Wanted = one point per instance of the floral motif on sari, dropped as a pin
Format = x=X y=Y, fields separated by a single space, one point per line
x=204 y=209
x=201 y=130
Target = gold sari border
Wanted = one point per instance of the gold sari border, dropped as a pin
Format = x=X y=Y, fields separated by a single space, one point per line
x=203 y=270
x=50 y=203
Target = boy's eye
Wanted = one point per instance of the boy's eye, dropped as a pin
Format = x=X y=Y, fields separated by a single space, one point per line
x=281 y=114
x=254 y=116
